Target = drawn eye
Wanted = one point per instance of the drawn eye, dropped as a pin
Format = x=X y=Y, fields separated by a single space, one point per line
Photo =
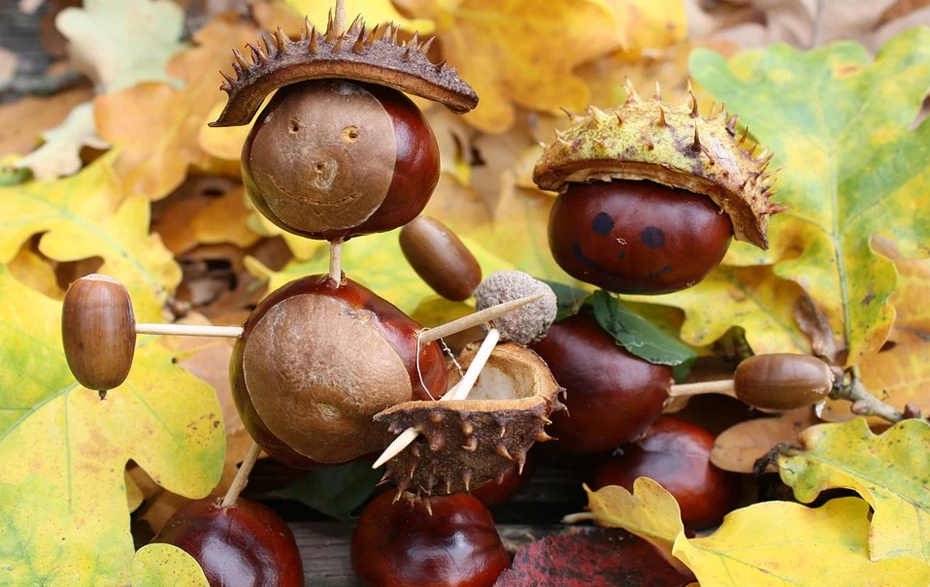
x=602 y=224
x=652 y=237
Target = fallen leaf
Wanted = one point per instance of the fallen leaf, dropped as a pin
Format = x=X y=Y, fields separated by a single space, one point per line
x=889 y=471
x=83 y=216
x=63 y=494
x=164 y=565
x=595 y=558
x=119 y=43
x=838 y=124
x=23 y=121
x=521 y=52
x=60 y=155
x=335 y=491
x=373 y=11
x=649 y=24
x=157 y=149
x=739 y=447
x=208 y=220
x=33 y=271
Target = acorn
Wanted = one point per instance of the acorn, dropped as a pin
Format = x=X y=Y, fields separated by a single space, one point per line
x=98 y=332
x=650 y=194
x=440 y=258
x=782 y=381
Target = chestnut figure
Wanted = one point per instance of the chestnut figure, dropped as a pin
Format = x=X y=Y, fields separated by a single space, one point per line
x=611 y=395
x=677 y=455
x=402 y=544
x=637 y=237
x=317 y=360
x=334 y=159
x=245 y=545
x=98 y=331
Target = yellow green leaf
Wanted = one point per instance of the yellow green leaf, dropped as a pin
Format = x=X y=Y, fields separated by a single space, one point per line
x=890 y=471
x=63 y=494
x=164 y=565
x=85 y=216
x=520 y=52
x=839 y=124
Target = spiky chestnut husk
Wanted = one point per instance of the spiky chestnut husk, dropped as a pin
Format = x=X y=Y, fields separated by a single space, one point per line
x=464 y=443
x=647 y=139
x=358 y=54
x=317 y=360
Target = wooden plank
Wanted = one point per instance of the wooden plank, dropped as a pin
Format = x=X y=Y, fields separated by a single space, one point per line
x=324 y=548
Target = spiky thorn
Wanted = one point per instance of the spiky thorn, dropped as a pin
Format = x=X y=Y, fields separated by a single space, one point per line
x=694 y=104
x=765 y=158
x=270 y=46
x=619 y=120
x=241 y=63
x=412 y=471
x=358 y=23
x=467 y=429
x=503 y=432
x=662 y=121
x=372 y=36
x=312 y=47
x=414 y=41
x=338 y=46
x=541 y=436
x=448 y=484
x=466 y=480
x=571 y=115
x=776 y=207
x=742 y=137
x=731 y=123
x=502 y=451
x=441 y=66
x=427 y=504
x=282 y=41
x=305 y=31
x=359 y=46
x=388 y=473
x=330 y=28
x=723 y=111
x=521 y=461
x=227 y=85
x=696 y=145
x=424 y=48
x=658 y=92
x=471 y=443
x=713 y=108
x=631 y=95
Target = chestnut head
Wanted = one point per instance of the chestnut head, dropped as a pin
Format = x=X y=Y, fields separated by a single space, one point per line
x=244 y=545
x=333 y=159
x=637 y=237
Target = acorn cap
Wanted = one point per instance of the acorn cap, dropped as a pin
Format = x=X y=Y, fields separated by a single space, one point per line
x=647 y=139
x=464 y=443
x=357 y=55
x=527 y=324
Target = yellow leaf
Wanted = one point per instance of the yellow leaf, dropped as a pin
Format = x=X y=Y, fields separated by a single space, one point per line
x=373 y=11
x=164 y=565
x=520 y=52
x=85 y=216
x=890 y=471
x=63 y=495
x=32 y=270
x=157 y=126
x=650 y=24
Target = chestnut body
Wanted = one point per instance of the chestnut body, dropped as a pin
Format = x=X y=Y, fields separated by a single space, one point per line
x=98 y=331
x=611 y=395
x=677 y=455
x=637 y=236
x=440 y=258
x=401 y=544
x=245 y=545
x=499 y=491
x=363 y=355
x=782 y=381
x=334 y=159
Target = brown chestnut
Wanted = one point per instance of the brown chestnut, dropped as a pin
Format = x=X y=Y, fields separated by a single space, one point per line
x=782 y=381
x=98 y=331
x=677 y=455
x=317 y=360
x=244 y=545
x=333 y=159
x=611 y=395
x=453 y=544
x=637 y=237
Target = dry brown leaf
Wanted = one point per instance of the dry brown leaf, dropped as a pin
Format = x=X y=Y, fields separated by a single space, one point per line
x=211 y=211
x=157 y=148
x=22 y=122
x=738 y=448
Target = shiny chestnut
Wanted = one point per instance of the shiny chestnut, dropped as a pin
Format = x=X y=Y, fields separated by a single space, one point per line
x=333 y=159
x=403 y=544
x=637 y=237
x=317 y=360
x=677 y=455
x=244 y=545
x=611 y=395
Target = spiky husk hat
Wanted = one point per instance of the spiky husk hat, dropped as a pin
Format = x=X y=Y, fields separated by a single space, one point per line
x=647 y=139
x=357 y=54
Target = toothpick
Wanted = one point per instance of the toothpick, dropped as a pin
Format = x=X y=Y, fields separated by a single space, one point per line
x=459 y=392
x=190 y=330
x=335 y=260
x=466 y=322
x=242 y=476
x=724 y=387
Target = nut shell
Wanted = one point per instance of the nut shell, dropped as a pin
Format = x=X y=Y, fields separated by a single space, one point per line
x=464 y=443
x=782 y=381
x=647 y=139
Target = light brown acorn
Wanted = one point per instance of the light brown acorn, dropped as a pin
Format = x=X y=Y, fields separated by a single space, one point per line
x=782 y=381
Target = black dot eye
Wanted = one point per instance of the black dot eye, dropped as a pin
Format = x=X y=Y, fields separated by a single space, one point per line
x=652 y=237
x=602 y=224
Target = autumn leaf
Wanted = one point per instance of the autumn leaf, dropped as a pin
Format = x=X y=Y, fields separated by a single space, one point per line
x=520 y=53
x=164 y=565
x=890 y=471
x=374 y=11
x=60 y=153
x=764 y=545
x=157 y=149
x=63 y=495
x=85 y=216
x=739 y=447
x=649 y=24
x=839 y=125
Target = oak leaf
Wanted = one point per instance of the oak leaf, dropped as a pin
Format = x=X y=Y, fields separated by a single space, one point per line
x=63 y=496
x=839 y=125
x=164 y=565
x=373 y=11
x=739 y=447
x=890 y=471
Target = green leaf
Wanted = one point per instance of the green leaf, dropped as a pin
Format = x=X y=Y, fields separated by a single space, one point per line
x=891 y=471
x=639 y=336
x=164 y=565
x=335 y=491
x=852 y=167
x=569 y=299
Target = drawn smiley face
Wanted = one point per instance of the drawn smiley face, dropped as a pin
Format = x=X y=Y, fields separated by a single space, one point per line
x=637 y=236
